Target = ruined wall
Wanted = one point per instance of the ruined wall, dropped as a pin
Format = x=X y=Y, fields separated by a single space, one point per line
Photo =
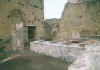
x=51 y=28
x=33 y=15
x=31 y=12
x=15 y=18
x=4 y=30
x=5 y=7
x=79 y=17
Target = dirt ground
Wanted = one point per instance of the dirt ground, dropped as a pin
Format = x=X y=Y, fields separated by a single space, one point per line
x=32 y=61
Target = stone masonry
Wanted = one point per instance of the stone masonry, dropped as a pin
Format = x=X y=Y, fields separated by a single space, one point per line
x=79 y=18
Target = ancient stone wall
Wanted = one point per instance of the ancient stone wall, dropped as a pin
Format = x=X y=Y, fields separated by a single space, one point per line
x=51 y=28
x=4 y=30
x=31 y=13
x=80 y=17
x=21 y=12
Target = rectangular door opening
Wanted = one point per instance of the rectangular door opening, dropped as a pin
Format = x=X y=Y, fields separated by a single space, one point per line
x=31 y=33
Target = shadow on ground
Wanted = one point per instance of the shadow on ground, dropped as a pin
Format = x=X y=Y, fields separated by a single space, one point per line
x=32 y=61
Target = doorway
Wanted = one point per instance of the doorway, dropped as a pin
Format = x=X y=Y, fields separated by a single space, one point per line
x=31 y=33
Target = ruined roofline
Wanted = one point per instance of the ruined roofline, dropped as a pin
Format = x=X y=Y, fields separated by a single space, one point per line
x=86 y=2
x=52 y=19
x=81 y=1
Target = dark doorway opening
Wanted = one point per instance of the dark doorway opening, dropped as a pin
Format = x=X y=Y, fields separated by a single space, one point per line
x=31 y=33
